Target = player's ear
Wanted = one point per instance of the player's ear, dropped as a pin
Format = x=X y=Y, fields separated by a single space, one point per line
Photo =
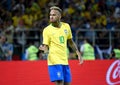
x=60 y=16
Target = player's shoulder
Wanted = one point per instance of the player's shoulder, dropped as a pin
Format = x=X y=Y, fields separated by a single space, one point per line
x=47 y=27
x=65 y=23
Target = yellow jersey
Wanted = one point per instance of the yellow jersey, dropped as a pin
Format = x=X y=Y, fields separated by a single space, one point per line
x=56 y=39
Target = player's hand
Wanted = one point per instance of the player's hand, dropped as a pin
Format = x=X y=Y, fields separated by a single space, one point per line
x=79 y=57
x=43 y=48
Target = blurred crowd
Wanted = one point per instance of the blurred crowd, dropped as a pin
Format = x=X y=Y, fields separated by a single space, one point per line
x=32 y=16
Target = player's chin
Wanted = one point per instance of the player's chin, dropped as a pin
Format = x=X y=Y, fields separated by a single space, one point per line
x=52 y=21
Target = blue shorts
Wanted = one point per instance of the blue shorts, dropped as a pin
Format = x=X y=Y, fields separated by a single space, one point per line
x=59 y=72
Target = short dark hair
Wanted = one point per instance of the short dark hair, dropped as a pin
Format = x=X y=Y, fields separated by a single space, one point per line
x=56 y=8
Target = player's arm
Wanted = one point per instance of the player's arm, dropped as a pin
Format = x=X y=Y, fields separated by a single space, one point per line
x=74 y=47
x=46 y=39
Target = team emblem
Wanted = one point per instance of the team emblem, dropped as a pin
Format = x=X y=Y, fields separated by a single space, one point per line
x=65 y=31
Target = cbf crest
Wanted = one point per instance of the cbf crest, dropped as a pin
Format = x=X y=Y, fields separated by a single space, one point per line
x=65 y=31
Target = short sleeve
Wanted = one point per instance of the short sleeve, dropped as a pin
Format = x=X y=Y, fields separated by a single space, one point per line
x=69 y=32
x=46 y=37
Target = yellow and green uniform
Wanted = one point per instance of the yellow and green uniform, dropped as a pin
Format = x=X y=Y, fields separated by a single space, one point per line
x=32 y=52
x=56 y=39
x=88 y=53
x=117 y=53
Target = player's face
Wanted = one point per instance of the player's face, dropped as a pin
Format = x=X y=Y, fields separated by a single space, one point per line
x=54 y=16
x=2 y=39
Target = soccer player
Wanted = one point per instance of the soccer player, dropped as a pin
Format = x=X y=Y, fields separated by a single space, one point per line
x=55 y=38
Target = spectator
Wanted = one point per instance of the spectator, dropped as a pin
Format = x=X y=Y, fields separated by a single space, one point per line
x=87 y=50
x=31 y=52
x=6 y=48
x=102 y=45
x=116 y=53
x=20 y=6
x=9 y=31
x=117 y=9
x=28 y=13
x=90 y=33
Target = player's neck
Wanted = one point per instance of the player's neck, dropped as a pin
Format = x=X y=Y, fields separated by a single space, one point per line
x=57 y=24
